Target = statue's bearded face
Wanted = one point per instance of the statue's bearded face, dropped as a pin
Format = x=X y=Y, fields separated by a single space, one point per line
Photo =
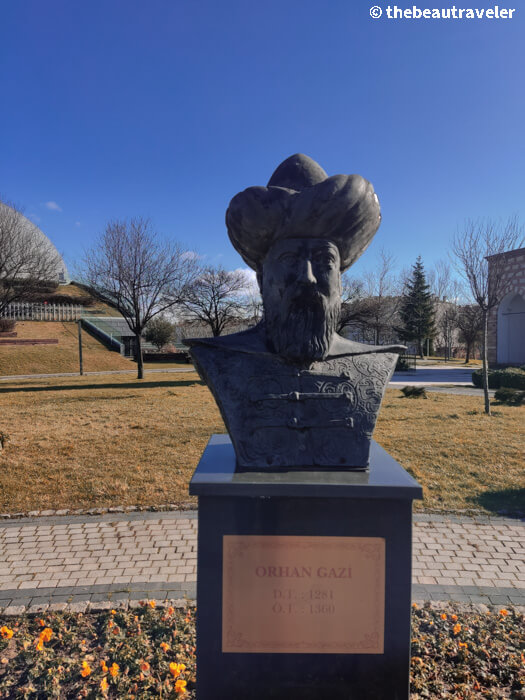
x=301 y=291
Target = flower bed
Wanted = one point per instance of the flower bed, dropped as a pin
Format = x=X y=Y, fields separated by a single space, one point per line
x=470 y=655
x=138 y=653
x=150 y=653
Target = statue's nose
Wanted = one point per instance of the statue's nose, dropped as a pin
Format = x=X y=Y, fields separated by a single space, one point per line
x=305 y=272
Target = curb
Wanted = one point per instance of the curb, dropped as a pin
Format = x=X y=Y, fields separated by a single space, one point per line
x=430 y=514
x=103 y=606
x=89 y=607
x=50 y=513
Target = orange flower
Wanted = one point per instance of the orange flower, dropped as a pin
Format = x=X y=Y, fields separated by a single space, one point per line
x=180 y=687
x=115 y=668
x=110 y=623
x=40 y=645
x=103 y=685
x=86 y=669
x=152 y=603
x=171 y=610
x=463 y=645
x=457 y=628
x=503 y=612
x=6 y=632
x=453 y=618
x=177 y=669
x=144 y=666
x=46 y=634
x=103 y=666
x=164 y=646
x=113 y=612
x=443 y=616
x=415 y=606
x=41 y=623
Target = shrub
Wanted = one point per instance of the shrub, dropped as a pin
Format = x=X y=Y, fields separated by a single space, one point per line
x=402 y=365
x=7 y=325
x=159 y=332
x=414 y=392
x=512 y=397
x=512 y=377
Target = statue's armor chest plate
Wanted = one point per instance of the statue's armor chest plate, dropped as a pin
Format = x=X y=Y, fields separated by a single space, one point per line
x=280 y=415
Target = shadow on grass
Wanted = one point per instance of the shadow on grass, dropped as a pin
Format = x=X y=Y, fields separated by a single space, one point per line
x=509 y=502
x=139 y=384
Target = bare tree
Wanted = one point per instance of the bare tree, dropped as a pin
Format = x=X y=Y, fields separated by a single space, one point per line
x=470 y=324
x=139 y=274
x=26 y=258
x=381 y=290
x=253 y=306
x=447 y=291
x=472 y=247
x=440 y=280
x=370 y=304
x=446 y=325
x=352 y=303
x=216 y=298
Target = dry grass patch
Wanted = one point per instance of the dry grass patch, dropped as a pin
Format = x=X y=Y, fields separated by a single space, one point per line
x=100 y=441
x=97 y=308
x=463 y=458
x=49 y=359
x=112 y=440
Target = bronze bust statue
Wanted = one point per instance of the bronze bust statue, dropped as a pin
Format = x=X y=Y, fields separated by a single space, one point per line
x=292 y=392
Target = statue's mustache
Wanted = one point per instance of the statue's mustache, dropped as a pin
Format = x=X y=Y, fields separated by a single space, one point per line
x=307 y=297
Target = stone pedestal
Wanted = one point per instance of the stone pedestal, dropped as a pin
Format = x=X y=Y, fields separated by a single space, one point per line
x=304 y=580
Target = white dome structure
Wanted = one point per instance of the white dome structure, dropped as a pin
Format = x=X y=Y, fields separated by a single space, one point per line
x=30 y=232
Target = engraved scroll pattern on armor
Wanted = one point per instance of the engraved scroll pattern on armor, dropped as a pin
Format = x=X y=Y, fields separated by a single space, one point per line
x=282 y=415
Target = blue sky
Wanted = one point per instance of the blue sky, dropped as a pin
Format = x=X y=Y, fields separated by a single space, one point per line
x=167 y=108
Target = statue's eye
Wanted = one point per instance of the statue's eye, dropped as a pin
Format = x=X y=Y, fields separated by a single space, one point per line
x=325 y=259
x=288 y=259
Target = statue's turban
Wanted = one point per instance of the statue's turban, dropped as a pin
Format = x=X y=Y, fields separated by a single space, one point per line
x=301 y=201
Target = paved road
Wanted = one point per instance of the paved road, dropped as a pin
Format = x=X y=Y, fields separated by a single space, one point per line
x=109 y=371
x=433 y=375
x=422 y=376
x=89 y=560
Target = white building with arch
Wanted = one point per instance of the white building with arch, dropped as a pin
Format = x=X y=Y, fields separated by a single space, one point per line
x=506 y=342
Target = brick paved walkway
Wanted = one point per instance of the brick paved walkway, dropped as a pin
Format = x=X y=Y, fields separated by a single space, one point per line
x=89 y=560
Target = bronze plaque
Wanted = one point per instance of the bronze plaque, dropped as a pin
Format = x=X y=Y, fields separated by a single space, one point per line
x=323 y=595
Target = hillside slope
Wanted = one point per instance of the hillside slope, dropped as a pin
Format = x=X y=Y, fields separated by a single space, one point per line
x=76 y=292
x=48 y=359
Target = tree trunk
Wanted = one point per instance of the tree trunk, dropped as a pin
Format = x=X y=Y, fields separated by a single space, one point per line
x=140 y=361
x=485 y=370
x=467 y=354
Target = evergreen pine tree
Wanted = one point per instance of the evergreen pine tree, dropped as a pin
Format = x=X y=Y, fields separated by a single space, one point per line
x=417 y=309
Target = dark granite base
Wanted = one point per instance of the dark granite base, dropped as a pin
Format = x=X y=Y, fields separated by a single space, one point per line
x=377 y=503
